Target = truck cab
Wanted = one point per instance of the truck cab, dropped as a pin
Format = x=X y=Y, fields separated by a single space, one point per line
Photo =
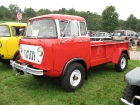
x=10 y=34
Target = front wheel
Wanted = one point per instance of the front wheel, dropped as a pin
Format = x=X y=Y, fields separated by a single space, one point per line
x=129 y=93
x=73 y=78
x=122 y=63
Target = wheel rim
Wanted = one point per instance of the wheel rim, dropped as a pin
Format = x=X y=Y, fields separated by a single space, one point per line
x=75 y=78
x=123 y=63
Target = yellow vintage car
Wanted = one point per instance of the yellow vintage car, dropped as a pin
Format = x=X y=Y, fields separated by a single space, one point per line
x=10 y=34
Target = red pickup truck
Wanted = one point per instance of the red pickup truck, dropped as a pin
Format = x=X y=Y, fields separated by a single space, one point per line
x=57 y=45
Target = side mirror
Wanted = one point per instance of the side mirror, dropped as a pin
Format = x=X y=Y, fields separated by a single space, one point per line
x=74 y=28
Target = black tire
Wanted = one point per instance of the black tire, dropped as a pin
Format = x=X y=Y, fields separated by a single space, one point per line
x=129 y=92
x=16 y=58
x=74 y=71
x=37 y=76
x=122 y=63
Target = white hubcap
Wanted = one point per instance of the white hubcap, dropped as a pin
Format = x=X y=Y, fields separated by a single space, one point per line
x=123 y=63
x=75 y=78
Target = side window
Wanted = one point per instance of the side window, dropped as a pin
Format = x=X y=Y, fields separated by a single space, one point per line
x=64 y=28
x=18 y=30
x=69 y=28
x=83 y=28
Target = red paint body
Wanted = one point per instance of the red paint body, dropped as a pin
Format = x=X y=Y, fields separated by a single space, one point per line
x=57 y=55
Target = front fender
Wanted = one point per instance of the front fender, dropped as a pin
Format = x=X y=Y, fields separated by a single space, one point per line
x=133 y=77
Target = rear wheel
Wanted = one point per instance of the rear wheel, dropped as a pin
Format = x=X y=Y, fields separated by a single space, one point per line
x=129 y=92
x=122 y=63
x=73 y=78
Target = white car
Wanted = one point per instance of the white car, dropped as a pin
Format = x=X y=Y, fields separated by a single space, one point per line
x=101 y=36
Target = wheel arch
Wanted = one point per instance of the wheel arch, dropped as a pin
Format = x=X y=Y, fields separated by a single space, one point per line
x=77 y=60
x=117 y=55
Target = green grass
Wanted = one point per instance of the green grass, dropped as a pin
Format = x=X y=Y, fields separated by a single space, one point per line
x=105 y=86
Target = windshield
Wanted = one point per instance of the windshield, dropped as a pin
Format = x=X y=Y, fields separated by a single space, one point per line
x=116 y=33
x=43 y=28
x=4 y=31
x=100 y=35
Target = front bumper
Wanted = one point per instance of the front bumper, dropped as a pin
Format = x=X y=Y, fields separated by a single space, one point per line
x=125 y=102
x=25 y=68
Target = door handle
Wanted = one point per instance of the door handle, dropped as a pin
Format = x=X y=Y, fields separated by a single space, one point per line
x=80 y=41
x=85 y=40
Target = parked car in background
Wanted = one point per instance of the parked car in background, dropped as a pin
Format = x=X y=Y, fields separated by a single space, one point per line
x=10 y=34
x=90 y=33
x=101 y=36
x=138 y=43
x=124 y=35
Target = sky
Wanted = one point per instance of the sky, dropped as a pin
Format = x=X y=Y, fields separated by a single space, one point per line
x=123 y=7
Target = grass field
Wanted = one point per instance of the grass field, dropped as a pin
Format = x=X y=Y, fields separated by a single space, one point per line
x=105 y=86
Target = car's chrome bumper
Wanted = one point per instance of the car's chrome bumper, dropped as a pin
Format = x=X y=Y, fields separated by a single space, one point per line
x=25 y=68
x=125 y=102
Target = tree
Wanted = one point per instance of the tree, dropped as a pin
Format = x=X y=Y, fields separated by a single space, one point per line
x=13 y=8
x=5 y=13
x=43 y=12
x=110 y=19
x=131 y=22
x=72 y=11
x=62 y=11
x=122 y=24
x=138 y=26
x=29 y=12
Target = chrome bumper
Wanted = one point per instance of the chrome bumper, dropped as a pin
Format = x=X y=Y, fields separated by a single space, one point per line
x=125 y=102
x=25 y=68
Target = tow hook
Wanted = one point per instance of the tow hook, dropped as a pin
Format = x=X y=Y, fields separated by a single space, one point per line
x=19 y=73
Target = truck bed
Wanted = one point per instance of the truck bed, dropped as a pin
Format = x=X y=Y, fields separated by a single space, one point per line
x=103 y=52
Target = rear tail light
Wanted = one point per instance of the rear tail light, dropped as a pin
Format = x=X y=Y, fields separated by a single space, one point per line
x=112 y=38
x=125 y=38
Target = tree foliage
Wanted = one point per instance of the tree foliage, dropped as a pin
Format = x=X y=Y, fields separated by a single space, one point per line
x=131 y=22
x=110 y=19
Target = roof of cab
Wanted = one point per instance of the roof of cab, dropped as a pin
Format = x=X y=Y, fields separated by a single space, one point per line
x=59 y=17
x=14 y=24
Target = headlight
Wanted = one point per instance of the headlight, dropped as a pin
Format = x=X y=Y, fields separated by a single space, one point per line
x=40 y=51
x=0 y=44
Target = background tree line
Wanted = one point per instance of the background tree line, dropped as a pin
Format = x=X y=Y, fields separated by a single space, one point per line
x=108 y=21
